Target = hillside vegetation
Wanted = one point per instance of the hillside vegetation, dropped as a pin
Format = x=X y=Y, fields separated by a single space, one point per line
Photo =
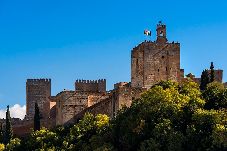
x=168 y=117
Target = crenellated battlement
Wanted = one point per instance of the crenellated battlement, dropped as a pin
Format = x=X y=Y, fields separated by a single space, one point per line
x=154 y=44
x=91 y=85
x=32 y=81
x=91 y=81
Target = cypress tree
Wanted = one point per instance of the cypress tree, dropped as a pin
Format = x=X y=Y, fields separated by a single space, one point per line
x=212 y=74
x=205 y=79
x=8 y=131
x=36 y=118
x=1 y=133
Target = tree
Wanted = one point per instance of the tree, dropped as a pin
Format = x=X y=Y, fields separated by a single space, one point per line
x=205 y=79
x=14 y=144
x=89 y=133
x=8 y=131
x=43 y=139
x=2 y=147
x=215 y=95
x=212 y=73
x=169 y=117
x=1 y=133
x=36 y=118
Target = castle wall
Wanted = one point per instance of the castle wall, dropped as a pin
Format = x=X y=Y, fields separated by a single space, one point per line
x=91 y=85
x=70 y=103
x=124 y=95
x=25 y=127
x=22 y=128
x=102 y=107
x=137 y=66
x=38 y=90
x=218 y=75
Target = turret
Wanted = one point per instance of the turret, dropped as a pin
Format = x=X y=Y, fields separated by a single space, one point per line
x=161 y=33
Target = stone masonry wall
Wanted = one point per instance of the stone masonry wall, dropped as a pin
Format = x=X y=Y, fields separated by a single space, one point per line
x=102 y=107
x=38 y=90
x=152 y=62
x=91 y=85
x=124 y=95
x=70 y=103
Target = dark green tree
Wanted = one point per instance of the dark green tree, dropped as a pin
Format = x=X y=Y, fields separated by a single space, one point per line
x=1 y=133
x=36 y=118
x=8 y=131
x=215 y=96
x=212 y=74
x=205 y=79
x=169 y=118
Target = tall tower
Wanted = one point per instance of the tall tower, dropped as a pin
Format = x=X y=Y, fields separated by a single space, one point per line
x=152 y=62
x=38 y=90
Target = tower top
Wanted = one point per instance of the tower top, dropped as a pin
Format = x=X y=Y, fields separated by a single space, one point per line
x=161 y=33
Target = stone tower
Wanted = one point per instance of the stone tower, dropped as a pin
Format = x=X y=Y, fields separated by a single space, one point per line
x=152 y=62
x=38 y=90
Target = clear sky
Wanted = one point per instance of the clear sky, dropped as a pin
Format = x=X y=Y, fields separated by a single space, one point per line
x=74 y=39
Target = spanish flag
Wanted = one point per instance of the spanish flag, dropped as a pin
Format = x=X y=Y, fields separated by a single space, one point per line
x=147 y=32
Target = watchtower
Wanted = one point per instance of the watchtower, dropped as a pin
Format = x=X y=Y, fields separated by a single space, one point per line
x=152 y=62
x=38 y=90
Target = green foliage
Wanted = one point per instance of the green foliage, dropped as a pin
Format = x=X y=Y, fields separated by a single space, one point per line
x=207 y=130
x=8 y=130
x=14 y=144
x=205 y=79
x=43 y=139
x=215 y=95
x=169 y=116
x=166 y=84
x=2 y=147
x=88 y=133
x=36 y=118
x=150 y=145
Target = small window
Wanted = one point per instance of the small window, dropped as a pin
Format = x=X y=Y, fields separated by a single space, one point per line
x=163 y=57
x=166 y=68
x=137 y=62
x=158 y=70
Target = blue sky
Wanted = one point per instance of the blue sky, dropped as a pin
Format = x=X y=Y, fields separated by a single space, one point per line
x=73 y=39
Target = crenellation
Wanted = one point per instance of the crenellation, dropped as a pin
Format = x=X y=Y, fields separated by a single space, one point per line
x=91 y=85
x=33 y=81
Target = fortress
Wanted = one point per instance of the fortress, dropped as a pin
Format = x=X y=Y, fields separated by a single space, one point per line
x=151 y=62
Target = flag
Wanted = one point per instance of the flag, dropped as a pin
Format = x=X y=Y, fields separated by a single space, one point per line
x=147 y=32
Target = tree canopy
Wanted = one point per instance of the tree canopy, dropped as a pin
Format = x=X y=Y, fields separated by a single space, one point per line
x=169 y=116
